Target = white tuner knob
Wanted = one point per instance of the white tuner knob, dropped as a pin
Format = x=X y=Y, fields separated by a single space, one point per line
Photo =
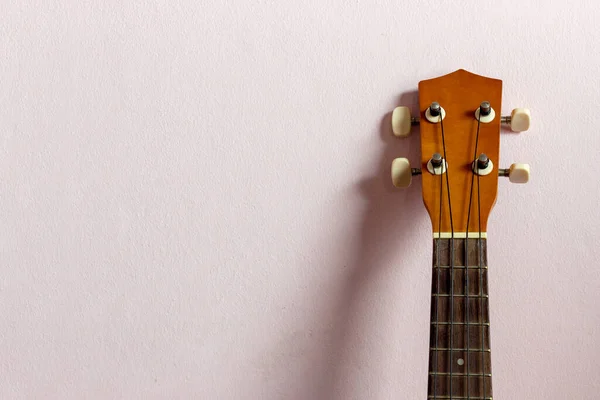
x=401 y=121
x=517 y=173
x=401 y=172
x=519 y=119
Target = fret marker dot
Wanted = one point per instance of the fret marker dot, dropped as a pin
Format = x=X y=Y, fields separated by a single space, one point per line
x=461 y=361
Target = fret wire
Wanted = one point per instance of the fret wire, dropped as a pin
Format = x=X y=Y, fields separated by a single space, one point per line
x=461 y=266
x=485 y=296
x=461 y=374
x=482 y=350
x=461 y=323
x=461 y=397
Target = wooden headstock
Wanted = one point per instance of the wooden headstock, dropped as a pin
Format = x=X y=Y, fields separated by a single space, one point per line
x=459 y=198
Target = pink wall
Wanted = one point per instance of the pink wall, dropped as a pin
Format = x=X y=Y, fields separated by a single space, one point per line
x=195 y=198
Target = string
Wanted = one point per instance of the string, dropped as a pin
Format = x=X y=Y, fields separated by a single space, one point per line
x=467 y=253
x=479 y=264
x=451 y=282
x=437 y=306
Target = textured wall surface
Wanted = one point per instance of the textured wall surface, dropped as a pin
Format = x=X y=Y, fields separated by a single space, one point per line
x=195 y=197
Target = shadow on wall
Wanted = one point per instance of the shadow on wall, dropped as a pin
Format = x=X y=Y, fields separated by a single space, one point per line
x=323 y=357
x=385 y=229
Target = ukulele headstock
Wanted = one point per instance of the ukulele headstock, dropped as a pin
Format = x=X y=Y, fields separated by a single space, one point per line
x=460 y=125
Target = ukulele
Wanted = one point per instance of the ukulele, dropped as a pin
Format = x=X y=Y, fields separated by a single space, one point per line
x=460 y=144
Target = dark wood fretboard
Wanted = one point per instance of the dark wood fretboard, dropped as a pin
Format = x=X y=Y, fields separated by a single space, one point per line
x=459 y=355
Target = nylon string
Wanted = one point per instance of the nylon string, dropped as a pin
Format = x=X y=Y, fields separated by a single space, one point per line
x=451 y=283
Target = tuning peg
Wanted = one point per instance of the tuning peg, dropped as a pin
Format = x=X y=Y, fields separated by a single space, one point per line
x=402 y=121
x=402 y=172
x=519 y=120
x=517 y=173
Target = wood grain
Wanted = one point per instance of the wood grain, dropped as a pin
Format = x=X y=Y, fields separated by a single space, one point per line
x=460 y=94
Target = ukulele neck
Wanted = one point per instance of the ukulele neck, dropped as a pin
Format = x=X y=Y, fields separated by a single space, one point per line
x=460 y=354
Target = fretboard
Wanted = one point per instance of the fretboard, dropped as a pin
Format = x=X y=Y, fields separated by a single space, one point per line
x=459 y=355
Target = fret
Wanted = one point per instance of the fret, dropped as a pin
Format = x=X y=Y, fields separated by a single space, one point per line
x=461 y=323
x=460 y=397
x=477 y=256
x=455 y=349
x=459 y=279
x=462 y=334
x=465 y=362
x=460 y=266
x=484 y=296
x=458 y=374
x=459 y=386
x=477 y=306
